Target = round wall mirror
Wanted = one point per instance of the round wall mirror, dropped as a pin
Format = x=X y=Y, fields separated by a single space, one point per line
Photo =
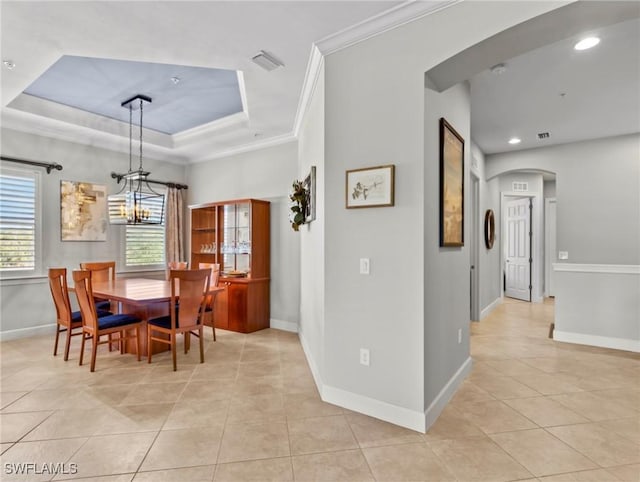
x=489 y=229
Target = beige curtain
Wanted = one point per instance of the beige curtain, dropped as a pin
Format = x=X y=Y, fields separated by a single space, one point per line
x=174 y=226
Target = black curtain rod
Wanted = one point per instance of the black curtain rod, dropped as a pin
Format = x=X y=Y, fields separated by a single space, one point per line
x=48 y=165
x=119 y=177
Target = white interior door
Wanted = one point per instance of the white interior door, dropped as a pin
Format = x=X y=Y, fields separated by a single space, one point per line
x=550 y=245
x=518 y=249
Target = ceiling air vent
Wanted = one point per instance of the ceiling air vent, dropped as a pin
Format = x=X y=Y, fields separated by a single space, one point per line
x=543 y=135
x=520 y=186
x=267 y=61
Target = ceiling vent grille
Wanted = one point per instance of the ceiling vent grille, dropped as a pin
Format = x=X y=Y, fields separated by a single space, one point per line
x=520 y=186
x=543 y=135
x=267 y=61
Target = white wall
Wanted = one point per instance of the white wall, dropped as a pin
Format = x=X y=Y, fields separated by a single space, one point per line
x=374 y=115
x=25 y=304
x=262 y=174
x=312 y=250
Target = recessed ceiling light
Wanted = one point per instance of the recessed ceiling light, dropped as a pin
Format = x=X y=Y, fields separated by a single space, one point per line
x=587 y=43
x=514 y=140
x=9 y=64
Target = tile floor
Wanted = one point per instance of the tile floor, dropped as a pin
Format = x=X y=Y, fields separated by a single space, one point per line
x=532 y=409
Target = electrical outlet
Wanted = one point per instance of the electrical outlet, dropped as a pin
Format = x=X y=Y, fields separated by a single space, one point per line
x=563 y=255
x=364 y=265
x=459 y=335
x=364 y=357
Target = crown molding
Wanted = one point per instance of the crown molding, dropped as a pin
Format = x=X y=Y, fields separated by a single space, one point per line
x=393 y=18
x=254 y=146
x=314 y=67
x=47 y=127
x=205 y=131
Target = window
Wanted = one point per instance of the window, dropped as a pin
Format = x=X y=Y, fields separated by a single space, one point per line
x=18 y=191
x=144 y=244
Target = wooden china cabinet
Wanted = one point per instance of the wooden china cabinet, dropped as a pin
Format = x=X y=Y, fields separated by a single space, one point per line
x=235 y=234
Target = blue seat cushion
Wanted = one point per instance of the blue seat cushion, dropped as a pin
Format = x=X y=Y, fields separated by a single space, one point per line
x=163 y=322
x=76 y=316
x=113 y=321
x=103 y=305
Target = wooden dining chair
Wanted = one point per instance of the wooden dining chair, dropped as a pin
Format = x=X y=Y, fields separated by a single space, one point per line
x=93 y=327
x=66 y=320
x=175 y=265
x=102 y=271
x=214 y=278
x=190 y=287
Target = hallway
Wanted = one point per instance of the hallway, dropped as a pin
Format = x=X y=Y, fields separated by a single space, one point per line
x=531 y=408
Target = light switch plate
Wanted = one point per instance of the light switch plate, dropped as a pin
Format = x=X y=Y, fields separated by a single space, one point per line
x=364 y=265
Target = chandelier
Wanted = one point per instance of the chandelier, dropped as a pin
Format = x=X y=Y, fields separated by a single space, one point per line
x=136 y=202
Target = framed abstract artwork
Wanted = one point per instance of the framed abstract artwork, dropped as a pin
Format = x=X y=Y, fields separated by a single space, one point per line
x=451 y=186
x=83 y=211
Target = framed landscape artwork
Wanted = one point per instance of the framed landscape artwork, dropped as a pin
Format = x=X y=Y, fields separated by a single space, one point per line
x=451 y=186
x=83 y=211
x=370 y=187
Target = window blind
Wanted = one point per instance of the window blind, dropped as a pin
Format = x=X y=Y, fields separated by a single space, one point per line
x=17 y=220
x=145 y=244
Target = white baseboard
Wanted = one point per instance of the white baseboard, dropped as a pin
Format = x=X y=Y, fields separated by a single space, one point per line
x=492 y=306
x=432 y=413
x=26 y=332
x=358 y=403
x=291 y=326
x=595 y=340
x=404 y=417
x=312 y=363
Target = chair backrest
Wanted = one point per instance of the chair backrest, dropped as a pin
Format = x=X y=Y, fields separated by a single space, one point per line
x=58 y=286
x=176 y=265
x=101 y=271
x=214 y=277
x=84 y=293
x=191 y=286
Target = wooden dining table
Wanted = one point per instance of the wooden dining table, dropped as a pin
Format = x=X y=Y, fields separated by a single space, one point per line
x=142 y=297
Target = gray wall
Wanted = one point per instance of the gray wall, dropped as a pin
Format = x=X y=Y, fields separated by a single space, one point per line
x=262 y=174
x=312 y=251
x=27 y=303
x=598 y=223
x=374 y=115
x=598 y=195
x=549 y=189
x=446 y=270
x=489 y=266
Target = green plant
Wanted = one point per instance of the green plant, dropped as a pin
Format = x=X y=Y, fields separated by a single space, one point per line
x=298 y=198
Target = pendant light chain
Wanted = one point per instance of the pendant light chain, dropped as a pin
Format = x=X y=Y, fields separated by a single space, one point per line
x=130 y=143
x=141 y=103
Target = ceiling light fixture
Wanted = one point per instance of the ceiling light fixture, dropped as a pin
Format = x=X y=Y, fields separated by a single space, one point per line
x=587 y=43
x=136 y=202
x=514 y=140
x=175 y=80
x=9 y=64
x=266 y=61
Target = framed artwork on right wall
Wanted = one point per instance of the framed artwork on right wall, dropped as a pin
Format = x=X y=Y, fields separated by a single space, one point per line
x=451 y=186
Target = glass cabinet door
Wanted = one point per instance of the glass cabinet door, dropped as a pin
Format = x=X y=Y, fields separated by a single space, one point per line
x=236 y=238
